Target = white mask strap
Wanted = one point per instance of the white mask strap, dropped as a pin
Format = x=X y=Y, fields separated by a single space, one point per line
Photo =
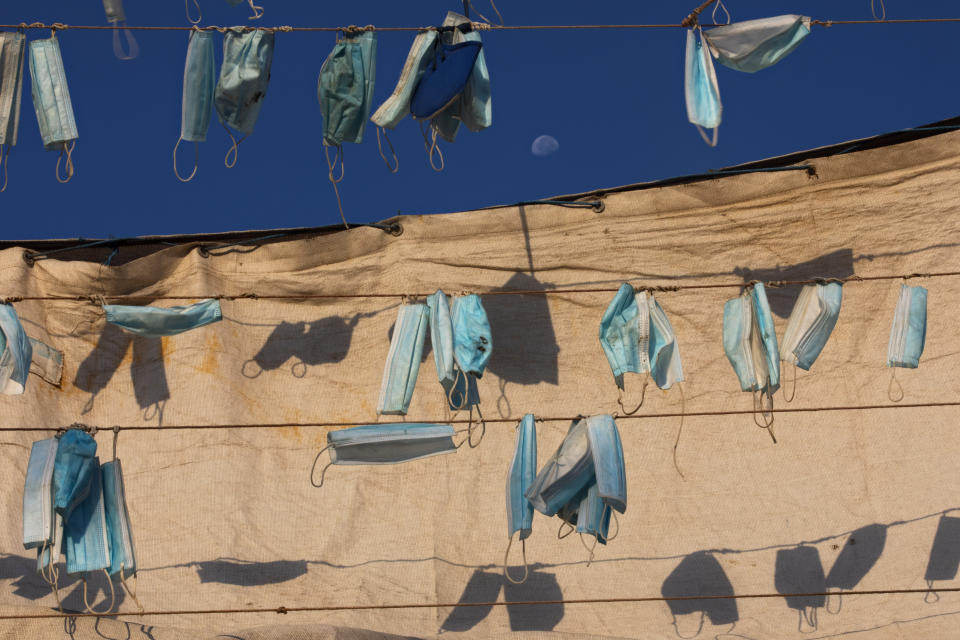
x=893 y=379
x=5 y=161
x=765 y=414
x=676 y=443
x=133 y=50
x=131 y=592
x=396 y=162
x=793 y=387
x=526 y=567
x=234 y=148
x=314 y=467
x=338 y=157
x=67 y=150
x=186 y=8
x=196 y=161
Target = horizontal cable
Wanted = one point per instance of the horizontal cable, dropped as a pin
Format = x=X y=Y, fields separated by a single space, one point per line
x=636 y=416
x=443 y=605
x=97 y=299
x=482 y=26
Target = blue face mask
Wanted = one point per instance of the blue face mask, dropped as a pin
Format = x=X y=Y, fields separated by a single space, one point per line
x=11 y=86
x=522 y=472
x=244 y=75
x=123 y=561
x=607 y=453
x=593 y=516
x=811 y=322
x=117 y=17
x=199 y=83
x=403 y=360
x=154 y=322
x=459 y=389
x=16 y=352
x=750 y=342
x=397 y=106
x=565 y=474
x=757 y=44
x=38 y=514
x=909 y=331
x=86 y=543
x=72 y=470
x=51 y=101
x=472 y=340
x=701 y=90
x=444 y=79
x=345 y=88
x=49 y=554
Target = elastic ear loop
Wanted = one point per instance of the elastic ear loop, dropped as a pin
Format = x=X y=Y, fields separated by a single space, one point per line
x=234 y=148
x=526 y=567
x=133 y=49
x=464 y=395
x=431 y=146
x=643 y=395
x=883 y=11
x=131 y=592
x=483 y=427
x=396 y=161
x=589 y=549
x=616 y=521
x=5 y=161
x=560 y=534
x=186 y=8
x=113 y=594
x=931 y=592
x=706 y=138
x=52 y=577
x=676 y=443
x=720 y=4
x=758 y=407
x=257 y=11
x=793 y=387
x=314 y=467
x=196 y=160
x=330 y=166
x=68 y=165
x=893 y=379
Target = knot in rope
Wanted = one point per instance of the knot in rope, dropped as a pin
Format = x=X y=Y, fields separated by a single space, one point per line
x=481 y=26
x=777 y=284
x=285 y=27
x=282 y=610
x=11 y=299
x=58 y=25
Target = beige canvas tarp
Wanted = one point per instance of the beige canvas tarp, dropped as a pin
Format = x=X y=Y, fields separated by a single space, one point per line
x=227 y=518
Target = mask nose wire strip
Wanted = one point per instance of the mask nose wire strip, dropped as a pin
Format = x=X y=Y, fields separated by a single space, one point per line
x=186 y=8
x=314 y=467
x=893 y=379
x=5 y=161
x=676 y=442
x=196 y=161
x=330 y=167
x=526 y=567
x=67 y=150
x=793 y=387
x=131 y=592
x=396 y=161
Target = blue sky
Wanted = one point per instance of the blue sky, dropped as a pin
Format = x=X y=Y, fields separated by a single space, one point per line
x=613 y=99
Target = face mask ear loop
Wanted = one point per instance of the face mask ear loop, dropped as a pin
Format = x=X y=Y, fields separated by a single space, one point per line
x=314 y=467
x=52 y=576
x=186 y=8
x=457 y=406
x=196 y=161
x=616 y=521
x=589 y=549
x=526 y=568
x=396 y=162
x=717 y=6
x=133 y=50
x=706 y=138
x=793 y=387
x=758 y=397
x=5 y=161
x=483 y=427
x=883 y=11
x=431 y=147
x=234 y=148
x=560 y=534
x=131 y=592
x=643 y=395
x=493 y=5
x=116 y=435
x=257 y=11
x=931 y=592
x=893 y=379
x=334 y=181
x=676 y=443
x=68 y=165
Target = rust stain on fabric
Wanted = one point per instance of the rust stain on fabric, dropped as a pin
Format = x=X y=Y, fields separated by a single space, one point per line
x=211 y=355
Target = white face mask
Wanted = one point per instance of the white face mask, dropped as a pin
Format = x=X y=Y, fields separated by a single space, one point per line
x=811 y=322
x=909 y=331
x=403 y=360
x=757 y=44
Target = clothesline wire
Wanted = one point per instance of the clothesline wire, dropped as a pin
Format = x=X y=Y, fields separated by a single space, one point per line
x=636 y=416
x=442 y=605
x=56 y=26
x=97 y=299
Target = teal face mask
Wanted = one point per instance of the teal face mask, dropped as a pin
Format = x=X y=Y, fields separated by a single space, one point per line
x=86 y=544
x=11 y=86
x=16 y=352
x=750 y=342
x=38 y=514
x=199 y=83
x=607 y=453
x=403 y=360
x=460 y=390
x=244 y=75
x=72 y=470
x=472 y=340
x=51 y=101
x=116 y=16
x=345 y=88
x=811 y=322
x=565 y=474
x=909 y=331
x=700 y=89
x=757 y=44
x=397 y=106
x=123 y=561
x=522 y=472
x=154 y=322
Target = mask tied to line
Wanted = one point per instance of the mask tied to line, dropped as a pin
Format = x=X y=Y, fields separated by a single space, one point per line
x=460 y=390
x=123 y=559
x=11 y=87
x=154 y=322
x=472 y=348
x=403 y=360
x=244 y=75
x=811 y=322
x=199 y=83
x=51 y=101
x=750 y=344
x=385 y=444
x=700 y=88
x=907 y=334
x=565 y=474
x=39 y=518
x=117 y=17
x=523 y=470
x=16 y=352
x=753 y=45
x=86 y=544
x=73 y=469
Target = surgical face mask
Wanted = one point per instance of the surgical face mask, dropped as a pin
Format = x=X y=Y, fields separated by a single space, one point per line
x=38 y=514
x=51 y=101
x=459 y=389
x=565 y=474
x=757 y=44
x=244 y=75
x=700 y=89
x=472 y=340
x=345 y=88
x=607 y=453
x=199 y=83
x=593 y=515
x=522 y=472
x=11 y=86
x=403 y=360
x=473 y=106
x=49 y=554
x=16 y=352
x=116 y=16
x=811 y=322
x=397 y=106
x=86 y=543
x=444 y=79
x=46 y=362
x=154 y=322
x=750 y=342
x=123 y=560
x=909 y=330
x=72 y=470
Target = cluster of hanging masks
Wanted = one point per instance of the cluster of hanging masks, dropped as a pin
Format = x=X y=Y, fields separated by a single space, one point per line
x=237 y=95
x=745 y=46
x=582 y=483
x=73 y=505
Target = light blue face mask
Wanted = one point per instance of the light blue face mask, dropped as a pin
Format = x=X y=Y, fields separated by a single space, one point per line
x=38 y=514
x=51 y=101
x=11 y=86
x=472 y=340
x=909 y=331
x=701 y=90
x=199 y=83
x=117 y=17
x=86 y=542
x=459 y=389
x=123 y=560
x=811 y=322
x=565 y=474
x=403 y=360
x=397 y=106
x=386 y=444
x=154 y=322
x=345 y=88
x=49 y=554
x=750 y=342
x=757 y=44
x=608 y=467
x=244 y=75
x=15 y=352
x=72 y=470
x=593 y=518
x=522 y=472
